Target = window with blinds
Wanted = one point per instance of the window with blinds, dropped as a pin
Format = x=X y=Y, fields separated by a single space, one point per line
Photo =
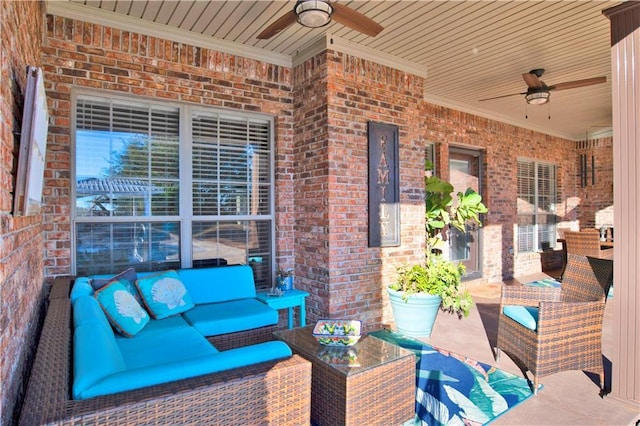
x=132 y=163
x=536 y=205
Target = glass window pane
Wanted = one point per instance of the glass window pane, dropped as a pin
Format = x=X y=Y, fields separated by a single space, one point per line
x=120 y=148
x=112 y=247
x=235 y=242
x=536 y=204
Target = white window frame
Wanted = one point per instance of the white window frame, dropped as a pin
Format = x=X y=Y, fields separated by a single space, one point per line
x=185 y=216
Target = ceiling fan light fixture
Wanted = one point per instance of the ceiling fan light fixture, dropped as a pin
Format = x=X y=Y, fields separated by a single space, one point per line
x=537 y=97
x=314 y=13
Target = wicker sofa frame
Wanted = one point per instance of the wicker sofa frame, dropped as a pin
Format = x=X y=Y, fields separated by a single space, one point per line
x=569 y=326
x=270 y=393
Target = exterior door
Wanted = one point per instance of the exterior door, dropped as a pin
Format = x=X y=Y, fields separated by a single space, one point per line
x=464 y=172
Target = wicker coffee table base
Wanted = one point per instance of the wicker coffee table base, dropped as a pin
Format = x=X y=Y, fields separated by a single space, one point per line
x=383 y=395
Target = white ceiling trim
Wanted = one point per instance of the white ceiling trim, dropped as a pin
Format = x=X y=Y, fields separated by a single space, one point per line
x=127 y=23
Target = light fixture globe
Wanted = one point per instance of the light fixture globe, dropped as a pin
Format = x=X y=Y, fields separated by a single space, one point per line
x=313 y=13
x=537 y=97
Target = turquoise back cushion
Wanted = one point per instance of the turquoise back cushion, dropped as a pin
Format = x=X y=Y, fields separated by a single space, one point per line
x=210 y=285
x=81 y=287
x=122 y=309
x=164 y=294
x=87 y=310
x=95 y=357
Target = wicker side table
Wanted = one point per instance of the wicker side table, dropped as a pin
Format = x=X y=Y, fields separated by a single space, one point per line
x=376 y=388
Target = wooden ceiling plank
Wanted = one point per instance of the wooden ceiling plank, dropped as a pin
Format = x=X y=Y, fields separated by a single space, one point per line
x=123 y=6
x=151 y=10
x=137 y=8
x=167 y=10
x=208 y=14
x=181 y=11
x=191 y=16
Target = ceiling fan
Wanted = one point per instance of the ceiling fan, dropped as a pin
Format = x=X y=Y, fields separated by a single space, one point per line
x=318 y=13
x=538 y=92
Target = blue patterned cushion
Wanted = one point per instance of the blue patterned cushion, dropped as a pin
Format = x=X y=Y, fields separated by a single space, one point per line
x=122 y=309
x=128 y=278
x=128 y=275
x=164 y=294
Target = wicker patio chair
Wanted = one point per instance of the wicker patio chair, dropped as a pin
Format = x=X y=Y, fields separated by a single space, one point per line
x=568 y=332
x=586 y=243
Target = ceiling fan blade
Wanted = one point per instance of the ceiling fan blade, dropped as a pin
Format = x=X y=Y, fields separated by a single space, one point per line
x=578 y=83
x=532 y=80
x=280 y=24
x=503 y=96
x=355 y=20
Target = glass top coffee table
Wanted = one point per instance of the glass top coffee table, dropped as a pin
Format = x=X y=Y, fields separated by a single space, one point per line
x=371 y=382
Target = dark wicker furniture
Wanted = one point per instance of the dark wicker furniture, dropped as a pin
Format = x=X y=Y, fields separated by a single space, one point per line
x=379 y=390
x=586 y=243
x=569 y=327
x=271 y=393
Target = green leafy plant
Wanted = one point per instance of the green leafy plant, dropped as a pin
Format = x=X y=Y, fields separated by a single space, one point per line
x=437 y=275
x=283 y=273
x=441 y=212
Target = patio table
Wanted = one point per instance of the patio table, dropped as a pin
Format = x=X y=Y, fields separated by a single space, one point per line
x=370 y=383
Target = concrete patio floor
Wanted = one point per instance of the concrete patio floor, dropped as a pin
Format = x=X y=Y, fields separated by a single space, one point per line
x=568 y=398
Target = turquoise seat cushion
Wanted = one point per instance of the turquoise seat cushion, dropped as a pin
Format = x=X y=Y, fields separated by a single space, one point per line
x=87 y=310
x=210 y=285
x=525 y=315
x=163 y=341
x=122 y=309
x=95 y=356
x=164 y=294
x=187 y=367
x=213 y=319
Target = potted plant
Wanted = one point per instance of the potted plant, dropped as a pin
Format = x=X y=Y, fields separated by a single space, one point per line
x=284 y=278
x=434 y=284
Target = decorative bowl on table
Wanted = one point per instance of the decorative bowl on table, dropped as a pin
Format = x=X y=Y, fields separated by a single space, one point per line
x=337 y=332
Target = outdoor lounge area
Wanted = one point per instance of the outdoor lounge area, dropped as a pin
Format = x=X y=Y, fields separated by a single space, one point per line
x=315 y=146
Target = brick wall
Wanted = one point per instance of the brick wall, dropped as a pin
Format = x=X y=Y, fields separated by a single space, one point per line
x=83 y=55
x=311 y=192
x=502 y=144
x=21 y=238
x=361 y=91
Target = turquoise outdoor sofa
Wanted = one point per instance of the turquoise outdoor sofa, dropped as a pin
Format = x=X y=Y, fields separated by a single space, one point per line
x=143 y=379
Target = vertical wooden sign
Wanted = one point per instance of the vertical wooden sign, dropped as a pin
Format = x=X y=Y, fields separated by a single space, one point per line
x=384 y=185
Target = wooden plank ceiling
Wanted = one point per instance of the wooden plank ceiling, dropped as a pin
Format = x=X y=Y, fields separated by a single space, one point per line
x=469 y=50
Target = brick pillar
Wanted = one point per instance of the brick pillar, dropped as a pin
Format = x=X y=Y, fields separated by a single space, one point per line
x=335 y=96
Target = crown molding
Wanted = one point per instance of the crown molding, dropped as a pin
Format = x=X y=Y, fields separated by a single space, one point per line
x=330 y=41
x=78 y=11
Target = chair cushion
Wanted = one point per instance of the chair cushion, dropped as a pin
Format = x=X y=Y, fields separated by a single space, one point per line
x=214 y=319
x=95 y=357
x=87 y=310
x=164 y=294
x=122 y=309
x=162 y=342
x=525 y=315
